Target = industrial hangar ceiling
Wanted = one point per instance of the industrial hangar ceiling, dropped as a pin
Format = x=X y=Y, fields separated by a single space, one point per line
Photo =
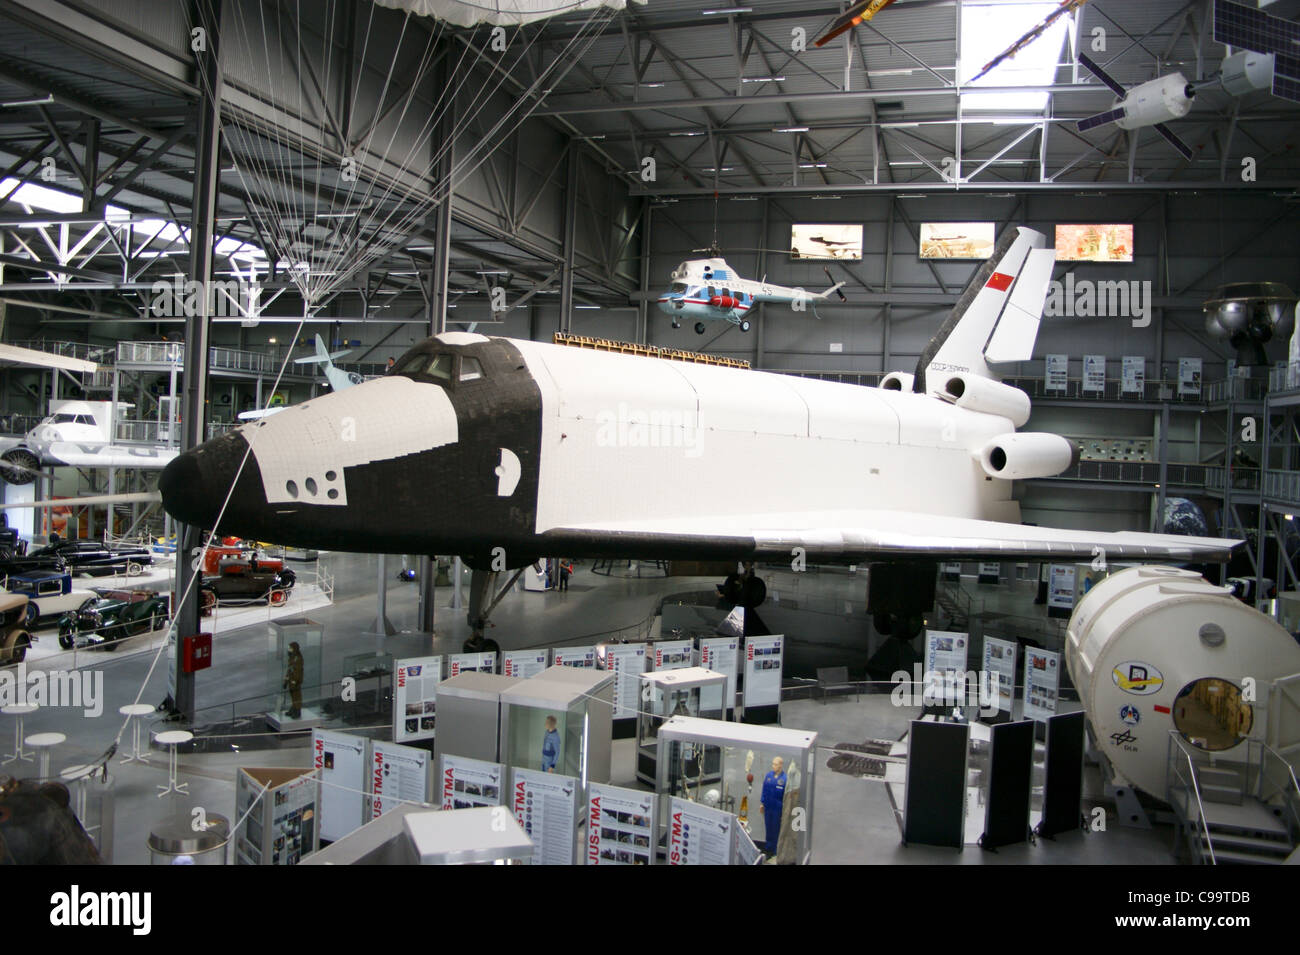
x=735 y=100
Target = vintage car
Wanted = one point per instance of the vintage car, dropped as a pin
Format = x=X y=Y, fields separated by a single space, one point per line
x=50 y=595
x=248 y=580
x=14 y=561
x=14 y=637
x=113 y=616
x=96 y=558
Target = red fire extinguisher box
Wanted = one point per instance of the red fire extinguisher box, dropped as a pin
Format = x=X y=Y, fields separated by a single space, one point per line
x=196 y=652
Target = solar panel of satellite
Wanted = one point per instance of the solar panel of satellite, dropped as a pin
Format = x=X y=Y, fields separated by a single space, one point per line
x=1238 y=25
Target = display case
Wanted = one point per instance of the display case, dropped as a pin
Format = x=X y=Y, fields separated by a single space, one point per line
x=293 y=668
x=598 y=687
x=692 y=691
x=745 y=777
x=482 y=836
x=469 y=716
x=554 y=725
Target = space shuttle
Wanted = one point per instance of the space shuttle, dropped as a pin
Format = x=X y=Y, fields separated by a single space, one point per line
x=505 y=451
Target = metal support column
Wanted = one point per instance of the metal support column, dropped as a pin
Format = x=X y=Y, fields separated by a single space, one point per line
x=570 y=233
x=207 y=170
x=383 y=626
x=643 y=306
x=436 y=312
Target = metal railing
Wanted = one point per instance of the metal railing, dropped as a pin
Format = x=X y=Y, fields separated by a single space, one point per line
x=1282 y=486
x=1184 y=795
x=150 y=353
x=1136 y=472
x=1277 y=786
x=95 y=353
x=147 y=431
x=19 y=424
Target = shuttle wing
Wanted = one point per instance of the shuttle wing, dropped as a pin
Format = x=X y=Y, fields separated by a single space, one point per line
x=850 y=537
x=14 y=355
x=105 y=455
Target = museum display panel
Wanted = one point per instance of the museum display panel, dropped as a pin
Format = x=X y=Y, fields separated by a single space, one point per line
x=693 y=691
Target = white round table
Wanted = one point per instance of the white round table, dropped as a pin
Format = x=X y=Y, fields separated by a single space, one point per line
x=19 y=710
x=79 y=774
x=171 y=739
x=133 y=713
x=43 y=743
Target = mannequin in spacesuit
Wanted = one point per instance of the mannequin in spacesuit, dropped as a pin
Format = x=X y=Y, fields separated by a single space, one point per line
x=770 y=802
x=550 y=745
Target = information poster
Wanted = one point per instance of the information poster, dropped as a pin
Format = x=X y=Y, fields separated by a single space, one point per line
x=1058 y=373
x=340 y=761
x=951 y=571
x=620 y=826
x=722 y=655
x=467 y=783
x=458 y=663
x=763 y=657
x=521 y=664
x=1000 y=661
x=945 y=652
x=699 y=835
x=674 y=654
x=746 y=852
x=1189 y=376
x=293 y=820
x=1134 y=380
x=545 y=805
x=1060 y=588
x=990 y=573
x=415 y=696
x=627 y=661
x=1042 y=680
x=398 y=774
x=1094 y=374
x=575 y=657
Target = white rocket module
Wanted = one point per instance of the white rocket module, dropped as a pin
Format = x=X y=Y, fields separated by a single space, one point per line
x=1154 y=649
x=1159 y=101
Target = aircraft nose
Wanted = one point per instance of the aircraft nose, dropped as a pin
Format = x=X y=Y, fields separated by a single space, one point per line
x=194 y=485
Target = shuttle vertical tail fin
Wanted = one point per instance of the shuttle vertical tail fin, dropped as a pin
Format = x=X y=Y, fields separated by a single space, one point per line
x=996 y=318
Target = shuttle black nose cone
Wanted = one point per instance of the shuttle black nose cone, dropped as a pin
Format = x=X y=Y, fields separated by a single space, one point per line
x=184 y=495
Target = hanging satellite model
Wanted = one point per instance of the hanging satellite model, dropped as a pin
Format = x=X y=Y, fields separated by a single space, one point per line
x=858 y=13
x=1274 y=43
x=1152 y=104
x=1067 y=6
x=1250 y=315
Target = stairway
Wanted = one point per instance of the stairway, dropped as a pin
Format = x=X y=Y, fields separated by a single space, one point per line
x=1241 y=829
x=1246 y=833
x=954 y=609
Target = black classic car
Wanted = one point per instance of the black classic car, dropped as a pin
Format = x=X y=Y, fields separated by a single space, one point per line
x=113 y=616
x=95 y=558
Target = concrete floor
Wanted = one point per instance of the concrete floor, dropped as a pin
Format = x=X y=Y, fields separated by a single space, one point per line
x=854 y=822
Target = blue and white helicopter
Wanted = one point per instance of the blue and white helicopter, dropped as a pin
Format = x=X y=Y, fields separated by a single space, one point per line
x=709 y=290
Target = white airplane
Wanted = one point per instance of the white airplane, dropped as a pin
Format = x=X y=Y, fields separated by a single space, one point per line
x=337 y=377
x=77 y=434
x=507 y=451
x=711 y=290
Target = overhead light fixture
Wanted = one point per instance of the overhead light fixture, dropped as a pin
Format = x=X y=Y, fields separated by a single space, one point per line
x=744 y=198
x=498 y=272
x=723 y=169
x=652 y=86
x=682 y=132
x=586 y=306
x=762 y=79
x=271 y=340
x=592 y=138
x=812 y=165
x=723 y=11
x=816 y=198
x=791 y=129
x=13 y=104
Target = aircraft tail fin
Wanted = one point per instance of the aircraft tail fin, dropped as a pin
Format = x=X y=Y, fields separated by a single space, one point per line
x=322 y=357
x=996 y=319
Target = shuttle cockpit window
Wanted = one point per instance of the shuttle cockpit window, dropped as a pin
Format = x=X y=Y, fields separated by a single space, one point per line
x=424 y=365
x=679 y=287
x=470 y=369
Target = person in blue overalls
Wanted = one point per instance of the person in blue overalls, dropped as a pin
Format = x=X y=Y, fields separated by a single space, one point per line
x=550 y=746
x=770 y=803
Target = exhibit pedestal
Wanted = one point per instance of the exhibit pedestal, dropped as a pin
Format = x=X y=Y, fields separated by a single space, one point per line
x=307 y=719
